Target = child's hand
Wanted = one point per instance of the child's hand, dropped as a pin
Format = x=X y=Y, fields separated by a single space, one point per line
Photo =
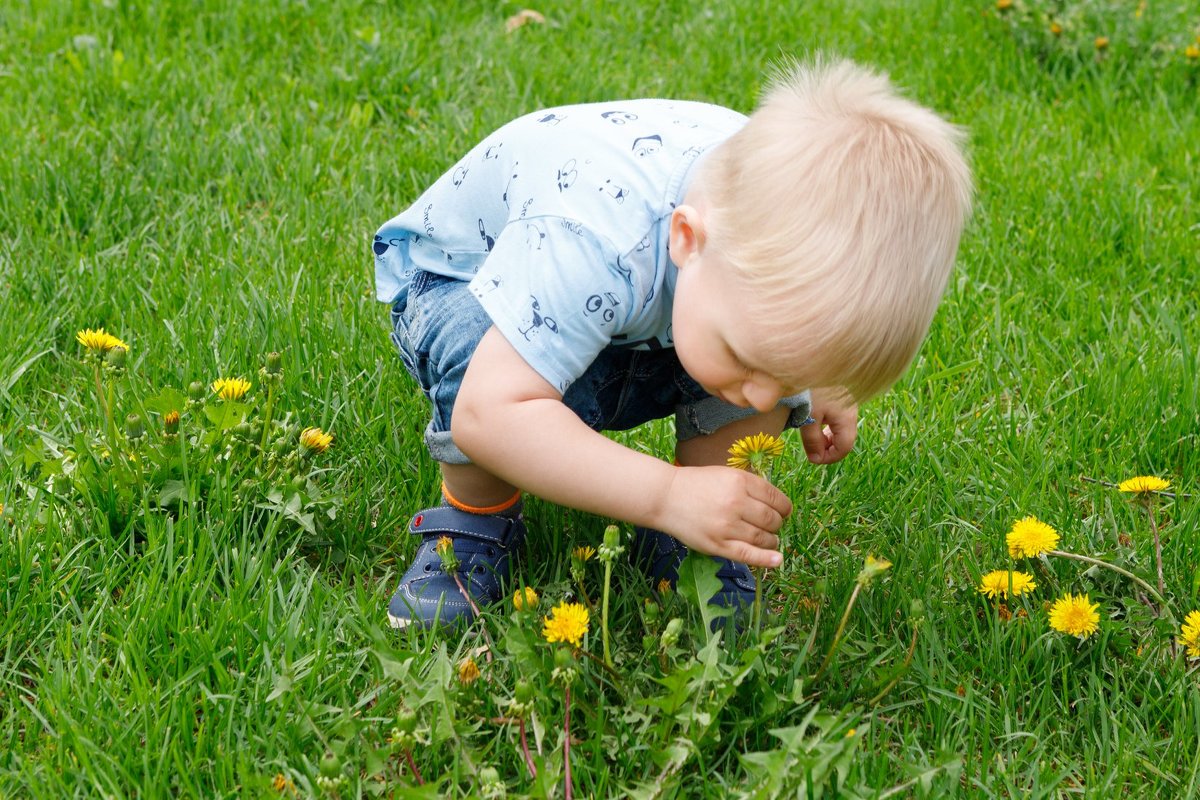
x=832 y=436
x=726 y=512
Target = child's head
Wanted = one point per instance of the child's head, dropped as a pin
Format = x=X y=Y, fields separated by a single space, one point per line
x=838 y=208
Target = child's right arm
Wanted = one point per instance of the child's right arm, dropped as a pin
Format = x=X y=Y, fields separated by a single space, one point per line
x=511 y=422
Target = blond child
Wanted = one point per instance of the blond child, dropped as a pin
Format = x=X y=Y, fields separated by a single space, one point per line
x=593 y=267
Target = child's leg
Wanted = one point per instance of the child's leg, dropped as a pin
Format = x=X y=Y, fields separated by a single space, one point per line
x=469 y=485
x=481 y=517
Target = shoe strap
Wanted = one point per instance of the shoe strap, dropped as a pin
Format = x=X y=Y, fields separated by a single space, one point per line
x=447 y=519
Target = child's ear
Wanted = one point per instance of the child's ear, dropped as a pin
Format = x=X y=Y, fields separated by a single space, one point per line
x=687 y=234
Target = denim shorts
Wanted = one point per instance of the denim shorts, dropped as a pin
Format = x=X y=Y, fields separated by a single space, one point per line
x=438 y=325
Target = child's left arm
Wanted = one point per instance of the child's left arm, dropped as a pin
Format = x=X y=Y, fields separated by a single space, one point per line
x=832 y=436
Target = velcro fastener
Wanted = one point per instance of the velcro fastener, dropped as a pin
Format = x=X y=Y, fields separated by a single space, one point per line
x=447 y=519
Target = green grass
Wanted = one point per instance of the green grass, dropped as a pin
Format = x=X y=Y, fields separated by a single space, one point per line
x=209 y=195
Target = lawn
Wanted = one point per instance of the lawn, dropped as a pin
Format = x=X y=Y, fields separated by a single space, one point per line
x=200 y=613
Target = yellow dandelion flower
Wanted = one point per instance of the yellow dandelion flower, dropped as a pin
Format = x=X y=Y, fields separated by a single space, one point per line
x=282 y=783
x=526 y=600
x=1056 y=29
x=1004 y=5
x=995 y=584
x=1144 y=484
x=584 y=553
x=568 y=622
x=1189 y=634
x=1031 y=537
x=1192 y=52
x=1075 y=615
x=231 y=388
x=754 y=452
x=664 y=586
x=98 y=341
x=468 y=671
x=315 y=440
x=1101 y=42
x=445 y=551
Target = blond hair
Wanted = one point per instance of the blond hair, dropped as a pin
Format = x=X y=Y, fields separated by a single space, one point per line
x=839 y=205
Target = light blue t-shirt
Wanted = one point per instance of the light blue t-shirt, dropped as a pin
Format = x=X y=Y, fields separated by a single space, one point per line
x=560 y=221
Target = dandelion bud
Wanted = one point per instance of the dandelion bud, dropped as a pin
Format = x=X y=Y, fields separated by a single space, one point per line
x=523 y=692
x=652 y=611
x=171 y=423
x=299 y=483
x=649 y=643
x=491 y=787
x=872 y=568
x=612 y=544
x=61 y=485
x=916 y=610
x=117 y=357
x=563 y=657
x=331 y=766
x=315 y=440
x=242 y=430
x=525 y=600
x=670 y=636
x=564 y=672
x=820 y=587
x=406 y=720
x=274 y=363
x=445 y=551
x=468 y=671
x=134 y=427
x=196 y=391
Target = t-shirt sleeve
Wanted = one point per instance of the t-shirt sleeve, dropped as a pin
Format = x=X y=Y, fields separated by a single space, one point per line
x=556 y=293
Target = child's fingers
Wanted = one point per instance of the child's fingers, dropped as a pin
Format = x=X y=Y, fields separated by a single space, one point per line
x=754 y=556
x=816 y=441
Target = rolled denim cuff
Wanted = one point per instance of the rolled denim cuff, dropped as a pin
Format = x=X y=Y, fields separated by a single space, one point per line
x=707 y=415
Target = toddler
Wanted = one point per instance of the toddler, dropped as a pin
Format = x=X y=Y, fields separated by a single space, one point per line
x=592 y=267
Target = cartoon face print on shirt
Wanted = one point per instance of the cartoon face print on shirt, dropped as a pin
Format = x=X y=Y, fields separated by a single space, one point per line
x=380 y=246
x=492 y=152
x=508 y=185
x=460 y=174
x=536 y=322
x=534 y=236
x=619 y=117
x=602 y=306
x=567 y=175
x=647 y=145
x=488 y=240
x=618 y=193
x=551 y=119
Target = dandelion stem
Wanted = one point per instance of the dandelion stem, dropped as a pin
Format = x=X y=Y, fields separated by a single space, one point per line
x=412 y=765
x=1157 y=543
x=612 y=672
x=475 y=610
x=760 y=574
x=109 y=426
x=1098 y=563
x=568 y=788
x=525 y=749
x=837 y=636
x=604 y=612
x=270 y=409
x=908 y=657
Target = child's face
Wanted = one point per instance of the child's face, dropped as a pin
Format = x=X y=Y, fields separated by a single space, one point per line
x=716 y=337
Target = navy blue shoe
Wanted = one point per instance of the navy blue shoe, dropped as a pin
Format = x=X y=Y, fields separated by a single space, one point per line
x=483 y=544
x=659 y=555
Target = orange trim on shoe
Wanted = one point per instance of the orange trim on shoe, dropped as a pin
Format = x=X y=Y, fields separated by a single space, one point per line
x=496 y=509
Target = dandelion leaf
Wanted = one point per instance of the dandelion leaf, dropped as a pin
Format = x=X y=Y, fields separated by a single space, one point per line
x=169 y=399
x=698 y=583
